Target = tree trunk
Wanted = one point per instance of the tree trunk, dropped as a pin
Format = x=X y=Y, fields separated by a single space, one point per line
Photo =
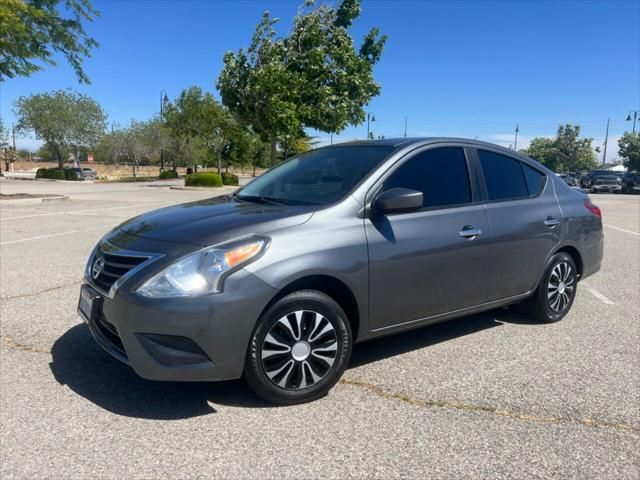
x=255 y=162
x=274 y=151
x=219 y=162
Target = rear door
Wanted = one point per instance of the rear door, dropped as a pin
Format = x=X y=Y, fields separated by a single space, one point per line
x=524 y=220
x=427 y=262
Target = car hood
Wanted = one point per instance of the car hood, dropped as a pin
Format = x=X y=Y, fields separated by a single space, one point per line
x=214 y=220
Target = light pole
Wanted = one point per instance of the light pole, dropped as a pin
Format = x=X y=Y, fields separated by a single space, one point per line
x=606 y=140
x=163 y=97
x=370 y=118
x=515 y=143
x=635 y=116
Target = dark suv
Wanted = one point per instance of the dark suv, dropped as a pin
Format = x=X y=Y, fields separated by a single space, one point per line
x=601 y=181
x=338 y=245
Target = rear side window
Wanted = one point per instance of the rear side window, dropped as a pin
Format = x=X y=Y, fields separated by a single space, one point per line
x=534 y=179
x=440 y=174
x=507 y=178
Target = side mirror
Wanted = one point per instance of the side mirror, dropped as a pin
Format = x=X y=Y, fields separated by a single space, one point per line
x=398 y=200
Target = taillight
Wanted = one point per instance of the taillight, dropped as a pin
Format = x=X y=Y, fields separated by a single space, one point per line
x=593 y=209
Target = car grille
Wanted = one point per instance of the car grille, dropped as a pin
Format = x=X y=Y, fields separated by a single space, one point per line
x=115 y=266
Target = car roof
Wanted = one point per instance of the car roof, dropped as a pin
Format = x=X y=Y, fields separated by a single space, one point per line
x=403 y=142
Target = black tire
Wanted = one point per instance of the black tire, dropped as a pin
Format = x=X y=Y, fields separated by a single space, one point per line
x=307 y=378
x=542 y=305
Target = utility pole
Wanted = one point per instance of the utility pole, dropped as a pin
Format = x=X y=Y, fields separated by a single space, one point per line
x=405 y=126
x=606 y=139
x=13 y=134
x=515 y=143
x=330 y=138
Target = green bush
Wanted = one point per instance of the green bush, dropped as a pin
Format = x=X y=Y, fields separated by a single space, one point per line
x=204 y=179
x=50 y=173
x=70 y=174
x=229 y=178
x=168 y=174
x=58 y=174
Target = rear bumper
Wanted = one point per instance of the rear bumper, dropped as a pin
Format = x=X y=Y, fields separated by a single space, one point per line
x=183 y=339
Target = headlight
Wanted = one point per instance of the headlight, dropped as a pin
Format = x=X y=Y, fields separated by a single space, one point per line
x=204 y=271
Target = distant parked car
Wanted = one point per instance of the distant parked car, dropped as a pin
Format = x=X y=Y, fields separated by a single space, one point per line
x=88 y=174
x=631 y=182
x=569 y=178
x=601 y=181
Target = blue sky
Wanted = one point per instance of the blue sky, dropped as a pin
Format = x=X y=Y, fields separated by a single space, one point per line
x=458 y=68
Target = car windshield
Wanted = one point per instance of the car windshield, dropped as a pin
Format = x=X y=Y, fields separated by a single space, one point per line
x=318 y=177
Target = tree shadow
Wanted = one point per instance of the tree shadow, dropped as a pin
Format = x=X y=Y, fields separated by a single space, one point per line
x=79 y=363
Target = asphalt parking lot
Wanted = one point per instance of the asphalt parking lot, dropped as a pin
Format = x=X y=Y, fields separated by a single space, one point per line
x=486 y=396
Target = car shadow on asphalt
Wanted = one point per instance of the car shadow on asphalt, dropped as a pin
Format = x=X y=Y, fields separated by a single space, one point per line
x=80 y=364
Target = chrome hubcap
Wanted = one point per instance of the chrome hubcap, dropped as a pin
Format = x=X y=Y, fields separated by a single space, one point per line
x=561 y=287
x=299 y=350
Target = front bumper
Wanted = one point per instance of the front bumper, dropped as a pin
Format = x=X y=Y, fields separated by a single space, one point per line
x=608 y=188
x=182 y=339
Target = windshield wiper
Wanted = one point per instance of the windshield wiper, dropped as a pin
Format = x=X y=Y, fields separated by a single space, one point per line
x=258 y=199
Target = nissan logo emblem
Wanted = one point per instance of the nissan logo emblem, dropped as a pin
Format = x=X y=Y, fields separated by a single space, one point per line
x=98 y=266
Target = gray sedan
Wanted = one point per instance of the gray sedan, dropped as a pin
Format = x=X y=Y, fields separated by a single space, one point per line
x=336 y=246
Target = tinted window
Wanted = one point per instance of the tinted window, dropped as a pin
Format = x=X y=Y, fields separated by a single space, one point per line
x=440 y=174
x=503 y=176
x=534 y=179
x=318 y=177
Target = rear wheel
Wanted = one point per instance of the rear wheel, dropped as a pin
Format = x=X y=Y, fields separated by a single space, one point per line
x=557 y=290
x=299 y=349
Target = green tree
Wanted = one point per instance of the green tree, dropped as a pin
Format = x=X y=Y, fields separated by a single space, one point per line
x=66 y=120
x=629 y=150
x=197 y=114
x=566 y=152
x=313 y=78
x=33 y=31
x=574 y=153
x=543 y=149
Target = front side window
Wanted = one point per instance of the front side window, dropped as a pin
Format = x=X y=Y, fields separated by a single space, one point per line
x=440 y=174
x=318 y=177
x=503 y=176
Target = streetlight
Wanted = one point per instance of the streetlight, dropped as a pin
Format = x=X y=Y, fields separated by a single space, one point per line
x=635 y=116
x=163 y=98
x=515 y=143
x=370 y=118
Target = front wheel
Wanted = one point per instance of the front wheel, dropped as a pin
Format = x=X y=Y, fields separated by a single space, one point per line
x=557 y=290
x=299 y=349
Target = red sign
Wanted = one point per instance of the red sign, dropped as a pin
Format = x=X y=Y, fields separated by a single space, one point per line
x=90 y=158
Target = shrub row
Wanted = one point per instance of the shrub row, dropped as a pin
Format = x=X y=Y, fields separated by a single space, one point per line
x=204 y=179
x=229 y=178
x=168 y=174
x=58 y=174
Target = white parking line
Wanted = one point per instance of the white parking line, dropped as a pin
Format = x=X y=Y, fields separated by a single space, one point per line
x=71 y=232
x=81 y=211
x=598 y=295
x=622 y=230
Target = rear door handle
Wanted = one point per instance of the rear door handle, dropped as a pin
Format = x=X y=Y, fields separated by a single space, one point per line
x=551 y=222
x=470 y=232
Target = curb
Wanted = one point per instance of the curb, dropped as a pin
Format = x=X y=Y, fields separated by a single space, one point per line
x=34 y=201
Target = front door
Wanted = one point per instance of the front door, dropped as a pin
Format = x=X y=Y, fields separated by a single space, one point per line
x=433 y=260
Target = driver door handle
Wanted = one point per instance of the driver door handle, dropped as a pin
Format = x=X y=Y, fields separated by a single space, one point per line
x=470 y=232
x=551 y=222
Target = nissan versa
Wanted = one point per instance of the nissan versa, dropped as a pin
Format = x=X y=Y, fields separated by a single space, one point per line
x=342 y=244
